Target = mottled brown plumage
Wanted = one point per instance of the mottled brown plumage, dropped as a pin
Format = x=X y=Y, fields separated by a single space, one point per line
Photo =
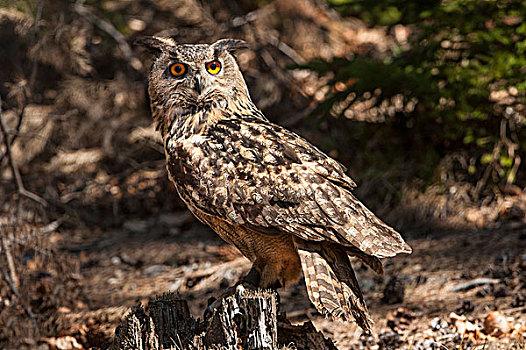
x=282 y=202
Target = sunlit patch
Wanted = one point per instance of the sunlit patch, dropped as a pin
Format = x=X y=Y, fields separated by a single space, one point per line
x=167 y=41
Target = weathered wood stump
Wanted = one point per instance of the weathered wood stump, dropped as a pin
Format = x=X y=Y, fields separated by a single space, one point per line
x=246 y=320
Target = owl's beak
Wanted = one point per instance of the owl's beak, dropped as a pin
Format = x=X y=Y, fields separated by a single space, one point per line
x=198 y=84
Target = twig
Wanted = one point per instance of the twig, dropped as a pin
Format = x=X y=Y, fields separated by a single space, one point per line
x=26 y=134
x=513 y=310
x=51 y=227
x=446 y=337
x=26 y=308
x=10 y=262
x=473 y=283
x=111 y=31
x=38 y=16
x=16 y=174
x=32 y=78
x=16 y=133
x=284 y=48
x=28 y=245
x=267 y=36
x=263 y=12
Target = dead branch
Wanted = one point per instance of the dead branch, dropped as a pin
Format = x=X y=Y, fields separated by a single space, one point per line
x=38 y=17
x=268 y=37
x=284 y=48
x=52 y=226
x=14 y=290
x=252 y=16
x=16 y=174
x=461 y=287
x=32 y=78
x=16 y=133
x=111 y=31
x=10 y=262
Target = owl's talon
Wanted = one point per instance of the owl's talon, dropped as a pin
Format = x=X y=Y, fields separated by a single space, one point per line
x=240 y=289
x=252 y=279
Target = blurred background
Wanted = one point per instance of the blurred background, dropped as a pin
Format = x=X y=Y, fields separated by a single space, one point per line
x=423 y=101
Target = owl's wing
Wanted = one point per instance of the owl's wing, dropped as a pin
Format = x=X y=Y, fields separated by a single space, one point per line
x=251 y=172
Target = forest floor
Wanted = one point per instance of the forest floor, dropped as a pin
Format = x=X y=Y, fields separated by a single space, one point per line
x=173 y=252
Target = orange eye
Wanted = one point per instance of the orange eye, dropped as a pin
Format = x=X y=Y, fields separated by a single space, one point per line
x=177 y=69
x=213 y=67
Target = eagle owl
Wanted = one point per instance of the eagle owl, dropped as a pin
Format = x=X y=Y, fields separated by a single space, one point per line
x=282 y=202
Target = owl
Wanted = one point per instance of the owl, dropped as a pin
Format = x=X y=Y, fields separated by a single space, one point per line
x=286 y=205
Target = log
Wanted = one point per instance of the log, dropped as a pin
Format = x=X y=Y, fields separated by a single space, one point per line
x=245 y=320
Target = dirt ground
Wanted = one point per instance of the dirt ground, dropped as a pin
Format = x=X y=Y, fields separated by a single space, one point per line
x=117 y=269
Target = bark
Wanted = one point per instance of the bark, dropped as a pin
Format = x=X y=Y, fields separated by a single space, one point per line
x=246 y=320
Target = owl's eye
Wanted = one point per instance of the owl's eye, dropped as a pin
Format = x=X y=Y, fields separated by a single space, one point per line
x=213 y=67
x=177 y=69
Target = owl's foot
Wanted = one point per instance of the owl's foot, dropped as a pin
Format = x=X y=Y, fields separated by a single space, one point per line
x=253 y=279
x=250 y=281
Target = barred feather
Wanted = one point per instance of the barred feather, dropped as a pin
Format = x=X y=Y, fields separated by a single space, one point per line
x=331 y=283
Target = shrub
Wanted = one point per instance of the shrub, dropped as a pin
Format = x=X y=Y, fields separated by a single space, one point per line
x=457 y=83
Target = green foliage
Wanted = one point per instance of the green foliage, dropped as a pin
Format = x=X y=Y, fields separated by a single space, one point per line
x=386 y=12
x=464 y=65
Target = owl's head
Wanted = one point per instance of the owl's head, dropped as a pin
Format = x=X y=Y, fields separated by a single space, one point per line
x=187 y=78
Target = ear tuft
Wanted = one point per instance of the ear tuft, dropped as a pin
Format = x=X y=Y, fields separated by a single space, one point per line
x=155 y=43
x=231 y=45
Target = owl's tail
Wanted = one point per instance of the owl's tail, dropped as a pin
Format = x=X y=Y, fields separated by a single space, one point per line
x=332 y=285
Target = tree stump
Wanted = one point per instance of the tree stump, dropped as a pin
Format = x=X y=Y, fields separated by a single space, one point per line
x=246 y=320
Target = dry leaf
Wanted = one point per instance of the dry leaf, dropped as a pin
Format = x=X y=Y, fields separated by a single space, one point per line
x=496 y=324
x=64 y=343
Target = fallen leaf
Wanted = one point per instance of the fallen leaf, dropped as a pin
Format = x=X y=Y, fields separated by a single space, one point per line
x=64 y=343
x=496 y=324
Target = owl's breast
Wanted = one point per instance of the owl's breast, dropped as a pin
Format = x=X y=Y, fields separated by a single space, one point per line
x=189 y=125
x=186 y=159
x=196 y=166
